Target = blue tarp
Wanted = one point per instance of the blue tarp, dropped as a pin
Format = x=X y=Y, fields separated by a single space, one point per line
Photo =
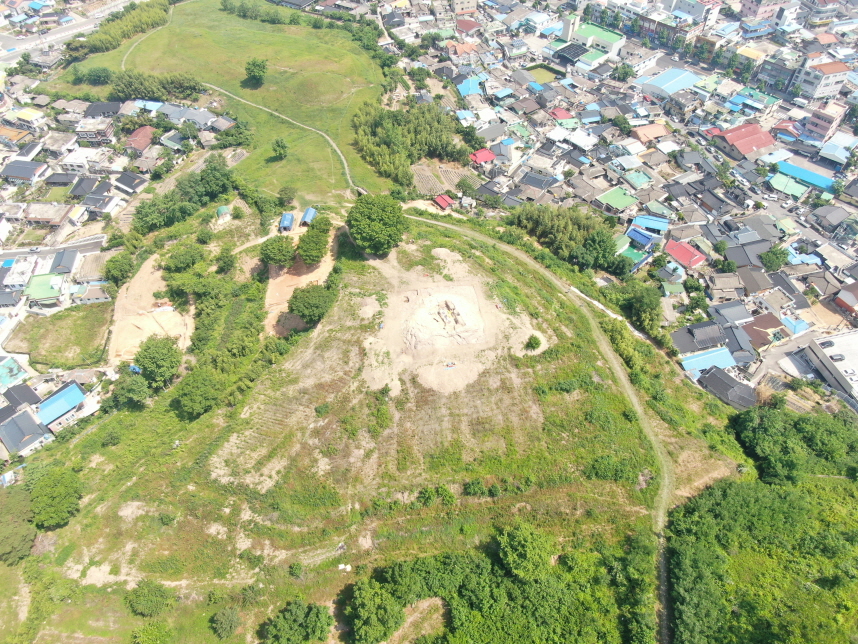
x=287 y=220
x=806 y=176
x=648 y=221
x=720 y=357
x=60 y=403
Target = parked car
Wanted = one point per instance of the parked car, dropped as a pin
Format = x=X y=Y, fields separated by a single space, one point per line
x=756 y=190
x=35 y=249
x=21 y=36
x=827 y=344
x=42 y=32
x=837 y=357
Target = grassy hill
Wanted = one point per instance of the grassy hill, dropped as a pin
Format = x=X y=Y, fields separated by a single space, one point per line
x=317 y=77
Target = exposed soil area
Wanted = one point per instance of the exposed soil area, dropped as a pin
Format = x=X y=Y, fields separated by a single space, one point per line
x=139 y=315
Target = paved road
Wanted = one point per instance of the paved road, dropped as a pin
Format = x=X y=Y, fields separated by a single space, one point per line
x=57 y=36
x=667 y=484
x=87 y=245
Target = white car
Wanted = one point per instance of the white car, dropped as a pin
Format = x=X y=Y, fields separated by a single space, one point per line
x=787 y=204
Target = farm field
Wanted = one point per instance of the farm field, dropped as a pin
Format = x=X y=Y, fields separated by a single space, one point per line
x=70 y=338
x=317 y=77
x=322 y=463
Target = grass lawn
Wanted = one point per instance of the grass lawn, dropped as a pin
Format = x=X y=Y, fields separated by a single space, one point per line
x=58 y=194
x=317 y=77
x=72 y=337
x=34 y=235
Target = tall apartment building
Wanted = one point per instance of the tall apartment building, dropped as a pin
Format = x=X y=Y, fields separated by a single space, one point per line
x=820 y=77
x=463 y=7
x=825 y=120
x=762 y=9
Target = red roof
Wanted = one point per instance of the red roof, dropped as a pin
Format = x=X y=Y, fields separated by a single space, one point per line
x=467 y=26
x=482 y=156
x=141 y=138
x=832 y=68
x=747 y=138
x=712 y=131
x=826 y=39
x=560 y=114
x=684 y=253
x=443 y=201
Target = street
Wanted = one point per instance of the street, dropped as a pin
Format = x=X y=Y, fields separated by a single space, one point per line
x=88 y=245
x=13 y=48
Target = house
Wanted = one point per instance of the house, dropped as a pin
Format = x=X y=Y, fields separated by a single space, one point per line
x=130 y=183
x=725 y=287
x=24 y=172
x=60 y=409
x=766 y=330
x=287 y=221
x=90 y=294
x=87 y=161
x=698 y=337
x=64 y=261
x=726 y=388
x=830 y=217
x=308 y=216
x=651 y=132
x=46 y=290
x=98 y=131
x=172 y=140
x=684 y=254
x=103 y=110
x=744 y=141
x=58 y=144
x=847 y=297
x=481 y=157
x=139 y=140
x=754 y=279
x=19 y=396
x=22 y=433
x=444 y=202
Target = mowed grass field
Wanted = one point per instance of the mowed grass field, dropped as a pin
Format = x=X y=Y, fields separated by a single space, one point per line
x=317 y=77
x=72 y=337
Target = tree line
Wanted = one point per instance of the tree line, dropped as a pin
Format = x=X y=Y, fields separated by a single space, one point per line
x=119 y=26
x=392 y=140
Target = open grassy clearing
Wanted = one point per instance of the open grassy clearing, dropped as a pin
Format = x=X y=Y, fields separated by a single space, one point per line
x=317 y=77
x=311 y=461
x=72 y=337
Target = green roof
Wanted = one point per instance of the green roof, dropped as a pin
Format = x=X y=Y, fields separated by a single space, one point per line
x=622 y=242
x=589 y=30
x=222 y=210
x=758 y=96
x=569 y=124
x=672 y=289
x=658 y=208
x=593 y=56
x=787 y=185
x=633 y=254
x=618 y=198
x=637 y=178
x=44 y=287
x=519 y=129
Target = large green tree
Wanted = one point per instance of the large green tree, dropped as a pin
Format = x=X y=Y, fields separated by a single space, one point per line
x=199 y=391
x=149 y=598
x=56 y=497
x=311 y=303
x=119 y=268
x=298 y=623
x=16 y=530
x=526 y=552
x=277 y=251
x=256 y=68
x=313 y=245
x=775 y=258
x=159 y=359
x=374 y=613
x=376 y=223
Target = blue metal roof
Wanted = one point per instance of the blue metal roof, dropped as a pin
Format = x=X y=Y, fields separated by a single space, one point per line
x=806 y=176
x=465 y=114
x=503 y=92
x=720 y=357
x=639 y=235
x=470 y=86
x=287 y=220
x=795 y=326
x=8 y=262
x=534 y=87
x=309 y=215
x=648 y=221
x=674 y=80
x=60 y=402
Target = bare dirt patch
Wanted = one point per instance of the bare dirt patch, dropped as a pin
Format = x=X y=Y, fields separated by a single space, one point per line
x=421 y=618
x=132 y=509
x=138 y=315
x=447 y=332
x=283 y=282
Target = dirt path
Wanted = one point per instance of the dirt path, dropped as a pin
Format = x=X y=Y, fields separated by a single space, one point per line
x=667 y=484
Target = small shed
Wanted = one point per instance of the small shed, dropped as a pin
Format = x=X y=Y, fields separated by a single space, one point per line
x=308 y=217
x=223 y=212
x=287 y=221
x=443 y=202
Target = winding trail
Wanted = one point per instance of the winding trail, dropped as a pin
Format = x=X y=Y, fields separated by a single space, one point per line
x=667 y=483
x=293 y=122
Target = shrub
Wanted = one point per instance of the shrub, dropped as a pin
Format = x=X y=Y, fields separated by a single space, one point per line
x=152 y=633
x=475 y=488
x=149 y=599
x=533 y=343
x=225 y=622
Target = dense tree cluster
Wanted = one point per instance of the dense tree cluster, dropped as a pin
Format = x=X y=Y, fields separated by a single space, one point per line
x=127 y=85
x=376 y=223
x=158 y=358
x=786 y=445
x=313 y=244
x=55 y=497
x=115 y=29
x=277 y=251
x=193 y=191
x=751 y=562
x=16 y=528
x=392 y=140
x=521 y=598
x=574 y=235
x=298 y=623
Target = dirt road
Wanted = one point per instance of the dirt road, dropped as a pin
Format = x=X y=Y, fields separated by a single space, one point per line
x=667 y=483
